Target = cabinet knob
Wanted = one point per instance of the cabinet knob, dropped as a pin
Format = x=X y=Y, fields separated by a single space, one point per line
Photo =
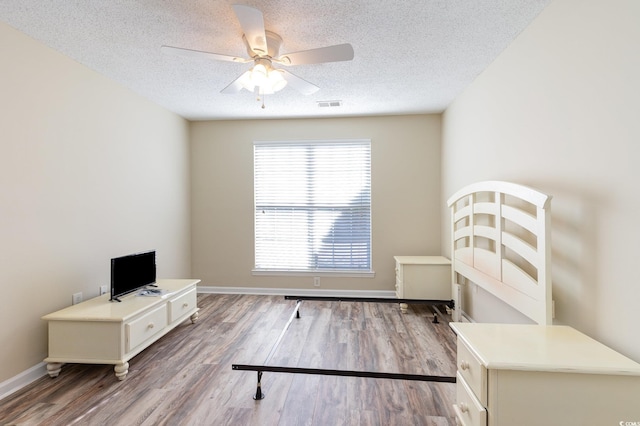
x=185 y=305
x=464 y=408
x=150 y=325
x=464 y=365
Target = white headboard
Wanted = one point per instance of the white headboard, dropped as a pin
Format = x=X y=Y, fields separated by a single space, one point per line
x=501 y=241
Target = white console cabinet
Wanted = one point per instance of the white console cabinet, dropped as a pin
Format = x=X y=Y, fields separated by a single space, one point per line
x=99 y=331
x=532 y=375
x=423 y=277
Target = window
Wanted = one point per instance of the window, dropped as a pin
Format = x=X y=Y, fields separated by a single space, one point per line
x=313 y=206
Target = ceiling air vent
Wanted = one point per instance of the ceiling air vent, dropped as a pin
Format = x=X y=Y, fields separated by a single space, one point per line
x=329 y=104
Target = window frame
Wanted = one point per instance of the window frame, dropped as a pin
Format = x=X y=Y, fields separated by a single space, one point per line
x=353 y=273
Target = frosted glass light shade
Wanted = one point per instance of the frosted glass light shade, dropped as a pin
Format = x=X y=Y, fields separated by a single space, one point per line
x=276 y=80
x=266 y=79
x=259 y=75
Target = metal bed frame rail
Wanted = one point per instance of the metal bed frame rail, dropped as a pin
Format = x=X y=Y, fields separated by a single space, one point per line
x=345 y=373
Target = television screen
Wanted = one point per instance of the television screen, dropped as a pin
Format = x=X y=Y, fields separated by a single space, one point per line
x=132 y=272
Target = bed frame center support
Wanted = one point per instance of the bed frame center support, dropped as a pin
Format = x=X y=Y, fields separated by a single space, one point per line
x=259 y=395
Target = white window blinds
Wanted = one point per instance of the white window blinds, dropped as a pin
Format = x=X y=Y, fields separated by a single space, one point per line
x=313 y=205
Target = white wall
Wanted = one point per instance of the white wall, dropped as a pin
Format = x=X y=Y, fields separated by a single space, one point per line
x=558 y=110
x=88 y=171
x=405 y=179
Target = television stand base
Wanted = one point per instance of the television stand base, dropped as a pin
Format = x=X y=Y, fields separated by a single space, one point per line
x=98 y=331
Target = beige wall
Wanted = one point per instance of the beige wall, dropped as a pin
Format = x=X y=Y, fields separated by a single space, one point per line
x=405 y=189
x=558 y=110
x=88 y=171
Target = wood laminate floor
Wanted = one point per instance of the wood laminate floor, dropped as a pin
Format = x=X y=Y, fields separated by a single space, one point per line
x=186 y=378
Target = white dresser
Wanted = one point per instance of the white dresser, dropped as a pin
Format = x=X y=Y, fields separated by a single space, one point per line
x=541 y=375
x=423 y=277
x=99 y=331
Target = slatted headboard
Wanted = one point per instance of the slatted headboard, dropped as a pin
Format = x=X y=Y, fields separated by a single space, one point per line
x=500 y=241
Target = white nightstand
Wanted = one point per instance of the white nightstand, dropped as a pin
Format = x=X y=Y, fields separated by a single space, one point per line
x=423 y=277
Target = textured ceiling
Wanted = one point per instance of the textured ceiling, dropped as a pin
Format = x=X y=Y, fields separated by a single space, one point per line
x=411 y=56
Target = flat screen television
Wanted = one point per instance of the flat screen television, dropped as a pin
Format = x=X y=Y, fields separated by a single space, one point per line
x=132 y=272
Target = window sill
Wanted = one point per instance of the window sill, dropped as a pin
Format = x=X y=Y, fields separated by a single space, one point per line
x=289 y=273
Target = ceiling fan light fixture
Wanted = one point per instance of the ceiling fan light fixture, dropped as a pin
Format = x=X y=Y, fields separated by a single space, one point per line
x=265 y=78
x=259 y=75
x=276 y=80
x=246 y=82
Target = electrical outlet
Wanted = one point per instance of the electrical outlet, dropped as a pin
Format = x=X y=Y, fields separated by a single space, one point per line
x=76 y=298
x=104 y=289
x=316 y=281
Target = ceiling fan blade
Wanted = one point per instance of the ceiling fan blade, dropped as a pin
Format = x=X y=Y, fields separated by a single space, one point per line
x=179 y=51
x=252 y=24
x=337 y=53
x=236 y=85
x=299 y=84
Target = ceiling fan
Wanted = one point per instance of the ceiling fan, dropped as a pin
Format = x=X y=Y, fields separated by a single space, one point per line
x=263 y=48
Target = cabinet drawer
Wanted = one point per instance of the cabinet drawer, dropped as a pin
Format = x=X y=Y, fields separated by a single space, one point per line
x=469 y=411
x=182 y=305
x=473 y=372
x=145 y=327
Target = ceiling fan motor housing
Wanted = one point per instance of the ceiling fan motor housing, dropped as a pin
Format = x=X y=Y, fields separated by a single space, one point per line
x=274 y=41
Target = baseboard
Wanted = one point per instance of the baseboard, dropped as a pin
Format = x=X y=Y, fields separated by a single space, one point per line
x=296 y=292
x=465 y=317
x=16 y=383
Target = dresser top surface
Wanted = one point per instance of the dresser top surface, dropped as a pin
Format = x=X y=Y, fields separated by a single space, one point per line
x=102 y=309
x=542 y=348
